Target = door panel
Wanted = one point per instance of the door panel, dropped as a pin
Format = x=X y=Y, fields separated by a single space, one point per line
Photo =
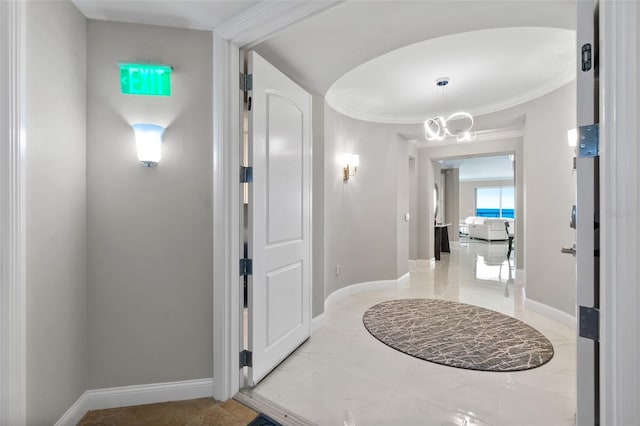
x=283 y=287
x=279 y=290
x=285 y=167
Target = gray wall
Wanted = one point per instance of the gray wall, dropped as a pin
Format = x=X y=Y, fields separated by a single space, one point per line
x=550 y=191
x=402 y=203
x=413 y=204
x=545 y=190
x=55 y=209
x=149 y=229
x=452 y=201
x=361 y=214
x=427 y=172
x=467 y=194
x=317 y=201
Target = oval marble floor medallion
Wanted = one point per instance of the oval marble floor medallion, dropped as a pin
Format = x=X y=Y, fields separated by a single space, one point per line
x=458 y=335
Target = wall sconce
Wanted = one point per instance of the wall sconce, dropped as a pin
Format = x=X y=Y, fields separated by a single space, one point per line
x=350 y=165
x=148 y=143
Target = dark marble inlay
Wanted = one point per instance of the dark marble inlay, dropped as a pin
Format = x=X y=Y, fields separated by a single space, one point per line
x=458 y=335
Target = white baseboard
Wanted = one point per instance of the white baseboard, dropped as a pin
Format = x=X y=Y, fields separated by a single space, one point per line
x=412 y=264
x=73 y=415
x=352 y=289
x=317 y=322
x=98 y=399
x=404 y=280
x=344 y=292
x=551 y=312
x=423 y=264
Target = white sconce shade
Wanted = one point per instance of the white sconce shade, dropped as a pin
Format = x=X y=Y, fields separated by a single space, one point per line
x=350 y=165
x=148 y=143
x=572 y=137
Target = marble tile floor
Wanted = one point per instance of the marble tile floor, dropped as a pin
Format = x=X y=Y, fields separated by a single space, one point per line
x=194 y=412
x=344 y=376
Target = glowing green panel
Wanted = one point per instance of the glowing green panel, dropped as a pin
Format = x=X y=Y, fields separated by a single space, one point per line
x=145 y=79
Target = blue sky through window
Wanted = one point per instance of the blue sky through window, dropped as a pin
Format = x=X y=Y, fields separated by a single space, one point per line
x=495 y=202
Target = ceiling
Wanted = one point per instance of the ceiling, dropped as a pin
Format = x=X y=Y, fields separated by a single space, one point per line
x=481 y=168
x=332 y=46
x=489 y=70
x=318 y=51
x=191 y=14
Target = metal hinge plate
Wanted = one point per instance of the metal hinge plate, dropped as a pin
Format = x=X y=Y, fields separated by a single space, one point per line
x=246 y=174
x=589 y=323
x=246 y=267
x=588 y=141
x=246 y=82
x=246 y=359
x=586 y=57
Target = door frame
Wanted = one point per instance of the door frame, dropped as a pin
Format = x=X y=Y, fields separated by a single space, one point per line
x=242 y=32
x=619 y=212
x=12 y=215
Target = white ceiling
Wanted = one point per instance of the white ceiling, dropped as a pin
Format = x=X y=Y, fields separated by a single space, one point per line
x=318 y=51
x=481 y=168
x=191 y=14
x=489 y=70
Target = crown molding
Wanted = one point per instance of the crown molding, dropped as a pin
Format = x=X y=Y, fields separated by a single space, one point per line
x=267 y=18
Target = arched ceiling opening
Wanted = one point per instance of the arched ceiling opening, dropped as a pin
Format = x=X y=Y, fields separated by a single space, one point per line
x=489 y=70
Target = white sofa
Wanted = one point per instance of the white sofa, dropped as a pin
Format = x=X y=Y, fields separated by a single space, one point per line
x=487 y=228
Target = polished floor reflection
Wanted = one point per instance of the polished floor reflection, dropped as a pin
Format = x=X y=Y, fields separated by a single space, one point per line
x=344 y=376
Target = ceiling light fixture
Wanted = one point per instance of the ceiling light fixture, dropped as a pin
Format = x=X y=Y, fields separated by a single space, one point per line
x=438 y=128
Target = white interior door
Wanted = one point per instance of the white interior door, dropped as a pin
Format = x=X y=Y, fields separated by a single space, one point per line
x=588 y=218
x=279 y=290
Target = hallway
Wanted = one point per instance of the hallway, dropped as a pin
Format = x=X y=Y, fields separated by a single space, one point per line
x=344 y=376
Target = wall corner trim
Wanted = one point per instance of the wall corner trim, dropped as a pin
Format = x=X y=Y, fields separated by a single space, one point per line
x=125 y=396
x=551 y=313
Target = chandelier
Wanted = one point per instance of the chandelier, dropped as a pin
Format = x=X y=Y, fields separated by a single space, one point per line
x=438 y=128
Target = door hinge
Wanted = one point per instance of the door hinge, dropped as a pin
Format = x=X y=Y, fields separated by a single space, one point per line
x=586 y=57
x=589 y=323
x=246 y=174
x=246 y=267
x=246 y=82
x=588 y=141
x=246 y=358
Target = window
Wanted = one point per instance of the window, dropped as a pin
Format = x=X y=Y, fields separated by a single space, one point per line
x=495 y=202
